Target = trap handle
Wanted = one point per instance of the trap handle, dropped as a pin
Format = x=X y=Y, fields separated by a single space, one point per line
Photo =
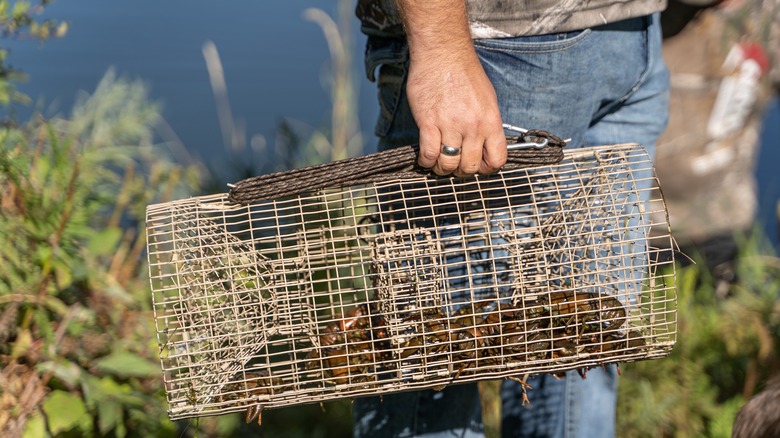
x=395 y=163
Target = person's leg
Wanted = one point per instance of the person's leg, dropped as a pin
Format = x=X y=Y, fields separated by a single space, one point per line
x=556 y=408
x=387 y=63
x=567 y=84
x=453 y=412
x=576 y=84
x=642 y=114
x=600 y=86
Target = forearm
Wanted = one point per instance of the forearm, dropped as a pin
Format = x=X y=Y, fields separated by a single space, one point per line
x=437 y=28
x=451 y=97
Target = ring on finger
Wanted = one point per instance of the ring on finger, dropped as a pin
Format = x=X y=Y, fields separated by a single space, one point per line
x=450 y=151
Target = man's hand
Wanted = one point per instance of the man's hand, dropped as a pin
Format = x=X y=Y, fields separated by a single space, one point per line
x=451 y=98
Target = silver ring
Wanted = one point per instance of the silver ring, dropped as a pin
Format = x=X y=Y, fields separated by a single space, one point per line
x=450 y=151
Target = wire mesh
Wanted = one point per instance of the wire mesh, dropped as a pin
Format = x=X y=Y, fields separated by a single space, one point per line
x=417 y=283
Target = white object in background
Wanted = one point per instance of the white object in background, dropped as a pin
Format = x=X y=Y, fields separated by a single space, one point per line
x=745 y=64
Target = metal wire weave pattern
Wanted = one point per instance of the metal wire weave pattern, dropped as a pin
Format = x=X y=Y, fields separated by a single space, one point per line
x=412 y=283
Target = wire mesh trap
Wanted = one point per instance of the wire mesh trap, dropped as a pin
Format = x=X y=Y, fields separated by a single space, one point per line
x=409 y=283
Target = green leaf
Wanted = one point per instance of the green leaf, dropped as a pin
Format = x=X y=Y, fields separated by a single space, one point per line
x=66 y=371
x=723 y=421
x=22 y=344
x=105 y=241
x=20 y=8
x=65 y=411
x=44 y=325
x=126 y=364
x=55 y=305
x=63 y=274
x=109 y=416
x=34 y=427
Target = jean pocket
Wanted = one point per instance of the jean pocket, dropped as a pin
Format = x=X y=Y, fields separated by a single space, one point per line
x=390 y=56
x=382 y=51
x=554 y=42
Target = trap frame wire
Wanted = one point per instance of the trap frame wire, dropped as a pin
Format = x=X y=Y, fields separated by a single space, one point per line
x=412 y=283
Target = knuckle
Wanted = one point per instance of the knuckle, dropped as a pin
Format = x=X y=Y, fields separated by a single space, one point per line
x=439 y=171
x=429 y=155
x=487 y=171
x=471 y=118
x=486 y=168
x=448 y=167
x=469 y=169
x=500 y=141
x=496 y=162
x=449 y=164
x=427 y=130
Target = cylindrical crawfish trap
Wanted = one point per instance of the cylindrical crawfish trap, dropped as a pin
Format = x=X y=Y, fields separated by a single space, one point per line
x=275 y=296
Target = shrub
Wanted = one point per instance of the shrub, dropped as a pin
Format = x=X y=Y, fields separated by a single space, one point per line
x=77 y=340
x=727 y=349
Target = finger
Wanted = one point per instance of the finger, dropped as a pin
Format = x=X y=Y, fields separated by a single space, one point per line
x=446 y=164
x=494 y=153
x=470 y=157
x=430 y=143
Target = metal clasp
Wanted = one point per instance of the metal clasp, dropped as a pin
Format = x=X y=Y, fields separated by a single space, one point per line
x=526 y=141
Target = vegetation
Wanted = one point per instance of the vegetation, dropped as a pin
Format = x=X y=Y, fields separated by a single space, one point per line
x=18 y=20
x=728 y=347
x=78 y=350
x=76 y=334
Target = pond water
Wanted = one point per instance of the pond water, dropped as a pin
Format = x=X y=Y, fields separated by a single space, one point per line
x=275 y=64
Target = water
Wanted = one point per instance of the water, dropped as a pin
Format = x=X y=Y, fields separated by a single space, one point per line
x=274 y=61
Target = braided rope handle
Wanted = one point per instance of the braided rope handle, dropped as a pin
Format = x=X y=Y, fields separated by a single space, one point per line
x=393 y=164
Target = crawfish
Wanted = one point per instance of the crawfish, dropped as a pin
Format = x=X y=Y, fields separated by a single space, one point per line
x=471 y=335
x=527 y=345
x=437 y=333
x=513 y=331
x=585 y=312
x=352 y=360
x=510 y=319
x=434 y=334
x=254 y=385
x=487 y=327
x=347 y=346
x=478 y=323
x=261 y=384
x=612 y=343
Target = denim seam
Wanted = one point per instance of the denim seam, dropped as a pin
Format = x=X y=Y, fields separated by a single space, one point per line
x=569 y=417
x=546 y=47
x=642 y=77
x=384 y=124
x=648 y=67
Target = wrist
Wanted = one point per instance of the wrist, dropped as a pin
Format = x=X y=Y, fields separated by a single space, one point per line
x=436 y=28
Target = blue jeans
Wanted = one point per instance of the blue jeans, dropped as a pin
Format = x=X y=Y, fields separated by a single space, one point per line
x=603 y=85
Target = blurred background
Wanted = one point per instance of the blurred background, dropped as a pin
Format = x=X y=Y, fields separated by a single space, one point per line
x=273 y=65
x=110 y=106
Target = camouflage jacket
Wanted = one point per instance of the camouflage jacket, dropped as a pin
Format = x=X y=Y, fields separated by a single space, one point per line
x=503 y=18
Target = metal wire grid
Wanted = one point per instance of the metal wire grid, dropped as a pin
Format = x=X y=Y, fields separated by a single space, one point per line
x=420 y=283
